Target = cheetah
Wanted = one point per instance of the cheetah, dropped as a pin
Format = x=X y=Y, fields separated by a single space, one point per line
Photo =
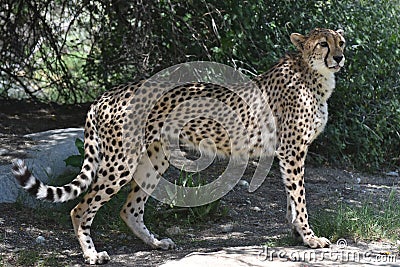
x=297 y=89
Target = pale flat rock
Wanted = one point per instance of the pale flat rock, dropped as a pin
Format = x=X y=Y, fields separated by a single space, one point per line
x=259 y=256
x=45 y=159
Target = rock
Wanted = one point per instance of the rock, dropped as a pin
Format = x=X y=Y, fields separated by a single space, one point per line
x=226 y=228
x=174 y=230
x=257 y=209
x=45 y=159
x=40 y=240
x=8 y=186
x=4 y=151
x=243 y=183
x=393 y=174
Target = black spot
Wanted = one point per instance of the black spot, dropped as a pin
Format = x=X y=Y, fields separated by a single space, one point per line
x=85 y=227
x=76 y=183
x=138 y=200
x=97 y=198
x=22 y=179
x=67 y=188
x=125 y=173
x=109 y=191
x=50 y=194
x=59 y=192
x=84 y=176
x=294 y=186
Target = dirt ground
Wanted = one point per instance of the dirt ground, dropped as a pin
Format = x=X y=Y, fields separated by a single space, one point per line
x=251 y=219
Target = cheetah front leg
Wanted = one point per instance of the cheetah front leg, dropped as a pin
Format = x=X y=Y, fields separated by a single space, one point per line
x=292 y=169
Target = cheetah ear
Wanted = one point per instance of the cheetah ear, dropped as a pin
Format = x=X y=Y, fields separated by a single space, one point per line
x=340 y=31
x=298 y=40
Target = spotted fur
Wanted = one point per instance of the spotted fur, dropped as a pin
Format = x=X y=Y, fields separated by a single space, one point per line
x=297 y=89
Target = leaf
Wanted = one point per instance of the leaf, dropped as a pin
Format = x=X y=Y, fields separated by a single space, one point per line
x=74 y=161
x=80 y=146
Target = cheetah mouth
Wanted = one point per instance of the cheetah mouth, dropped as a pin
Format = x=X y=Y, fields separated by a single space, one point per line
x=335 y=68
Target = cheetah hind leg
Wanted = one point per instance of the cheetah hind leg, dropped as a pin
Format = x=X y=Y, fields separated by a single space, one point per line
x=133 y=210
x=82 y=217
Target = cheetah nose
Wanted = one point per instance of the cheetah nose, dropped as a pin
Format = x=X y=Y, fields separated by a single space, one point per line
x=338 y=58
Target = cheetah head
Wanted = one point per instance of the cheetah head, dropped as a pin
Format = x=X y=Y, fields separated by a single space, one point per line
x=322 y=49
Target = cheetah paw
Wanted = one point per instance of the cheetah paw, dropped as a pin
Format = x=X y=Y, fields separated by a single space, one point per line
x=317 y=242
x=97 y=258
x=164 y=244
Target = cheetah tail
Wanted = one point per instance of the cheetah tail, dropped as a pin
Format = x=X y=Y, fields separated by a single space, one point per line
x=51 y=193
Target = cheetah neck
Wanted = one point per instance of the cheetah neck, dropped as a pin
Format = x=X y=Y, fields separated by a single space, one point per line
x=321 y=82
x=324 y=86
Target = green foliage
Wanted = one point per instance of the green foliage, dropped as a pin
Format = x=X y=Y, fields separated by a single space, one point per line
x=27 y=257
x=76 y=160
x=195 y=214
x=286 y=240
x=160 y=215
x=109 y=42
x=368 y=221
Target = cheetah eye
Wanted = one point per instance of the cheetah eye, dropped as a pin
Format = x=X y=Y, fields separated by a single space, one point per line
x=341 y=43
x=323 y=44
